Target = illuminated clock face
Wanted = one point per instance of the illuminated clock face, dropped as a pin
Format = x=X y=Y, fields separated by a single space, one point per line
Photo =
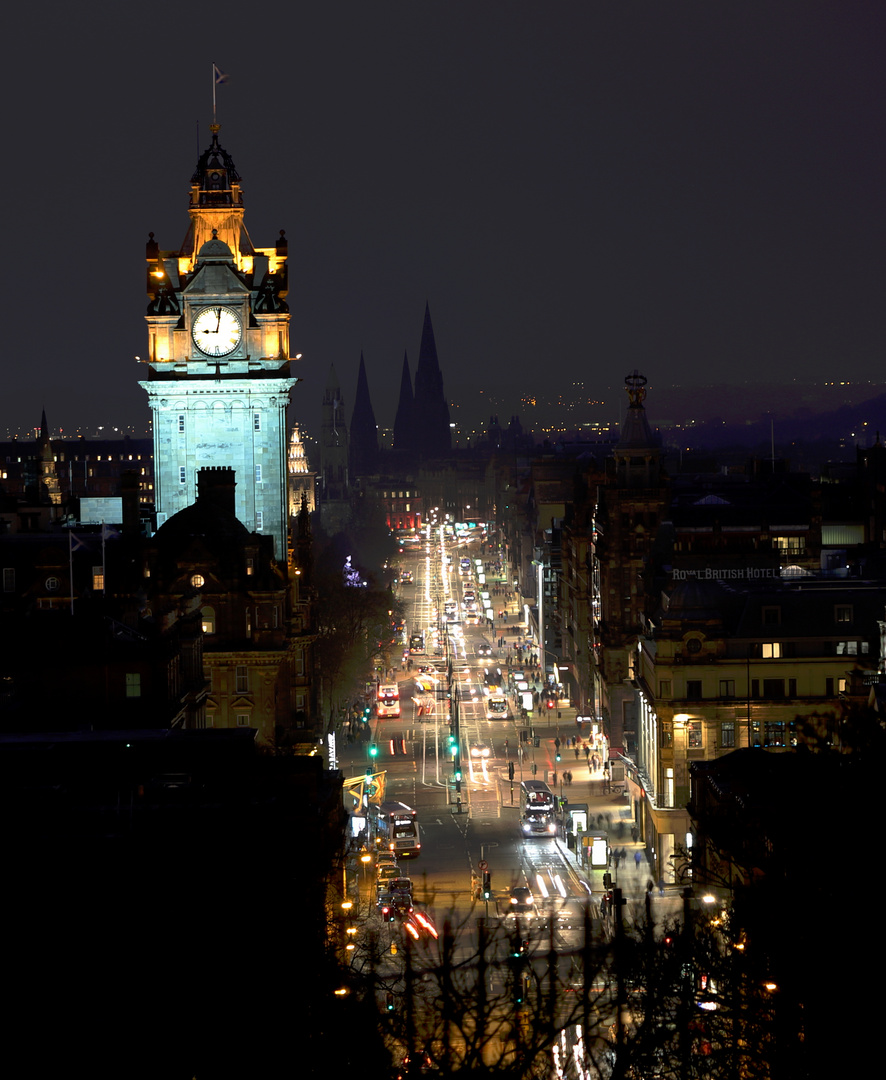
x=217 y=331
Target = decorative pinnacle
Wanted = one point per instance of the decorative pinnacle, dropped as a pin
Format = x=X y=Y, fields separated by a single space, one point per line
x=635 y=386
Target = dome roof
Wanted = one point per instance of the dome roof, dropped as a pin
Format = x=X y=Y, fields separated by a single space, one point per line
x=215 y=250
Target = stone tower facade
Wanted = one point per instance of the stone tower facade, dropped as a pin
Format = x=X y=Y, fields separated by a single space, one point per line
x=218 y=356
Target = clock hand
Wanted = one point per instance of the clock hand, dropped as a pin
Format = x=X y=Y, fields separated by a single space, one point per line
x=218 y=324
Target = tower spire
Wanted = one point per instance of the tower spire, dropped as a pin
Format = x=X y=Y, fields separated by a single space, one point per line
x=364 y=431
x=403 y=439
x=431 y=412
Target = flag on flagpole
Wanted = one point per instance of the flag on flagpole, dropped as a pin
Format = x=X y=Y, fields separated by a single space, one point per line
x=218 y=76
x=76 y=544
x=109 y=532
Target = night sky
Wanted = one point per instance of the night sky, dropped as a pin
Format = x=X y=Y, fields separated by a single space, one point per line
x=578 y=189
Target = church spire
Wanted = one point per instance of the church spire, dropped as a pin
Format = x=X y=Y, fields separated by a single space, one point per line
x=403 y=420
x=431 y=411
x=364 y=431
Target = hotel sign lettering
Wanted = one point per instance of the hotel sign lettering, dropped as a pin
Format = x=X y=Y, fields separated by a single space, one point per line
x=721 y=573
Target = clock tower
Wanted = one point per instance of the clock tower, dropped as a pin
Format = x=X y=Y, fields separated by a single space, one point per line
x=218 y=356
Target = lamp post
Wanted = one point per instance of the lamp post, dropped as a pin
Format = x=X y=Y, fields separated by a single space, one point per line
x=538 y=563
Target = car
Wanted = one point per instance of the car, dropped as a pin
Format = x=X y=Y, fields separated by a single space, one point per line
x=521 y=899
x=401 y=903
x=387 y=872
x=480 y=750
x=484 y=650
x=400 y=884
x=385 y=858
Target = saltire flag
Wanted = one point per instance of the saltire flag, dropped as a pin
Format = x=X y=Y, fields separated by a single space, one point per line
x=76 y=544
x=218 y=76
x=110 y=533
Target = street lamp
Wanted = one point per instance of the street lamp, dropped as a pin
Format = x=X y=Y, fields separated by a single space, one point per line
x=538 y=563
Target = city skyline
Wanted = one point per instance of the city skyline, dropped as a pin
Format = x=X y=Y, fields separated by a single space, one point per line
x=576 y=193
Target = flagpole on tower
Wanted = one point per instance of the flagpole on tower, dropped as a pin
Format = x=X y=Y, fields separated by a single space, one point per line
x=218 y=77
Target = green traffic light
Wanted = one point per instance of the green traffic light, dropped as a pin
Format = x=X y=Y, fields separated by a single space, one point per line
x=373 y=750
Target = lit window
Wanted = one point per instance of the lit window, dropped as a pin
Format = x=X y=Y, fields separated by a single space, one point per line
x=694 y=734
x=250 y=566
x=198 y=581
x=843 y=613
x=133 y=684
x=847 y=648
x=207 y=620
x=98 y=579
x=727 y=733
x=770 y=650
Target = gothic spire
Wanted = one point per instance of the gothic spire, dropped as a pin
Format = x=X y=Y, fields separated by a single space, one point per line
x=431 y=410
x=403 y=421
x=364 y=431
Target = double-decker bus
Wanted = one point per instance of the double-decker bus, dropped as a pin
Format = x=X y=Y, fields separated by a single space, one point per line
x=397 y=830
x=417 y=642
x=537 y=809
x=387 y=701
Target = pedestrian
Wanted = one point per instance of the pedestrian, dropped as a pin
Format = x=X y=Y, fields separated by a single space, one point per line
x=635 y=833
x=576 y=753
x=637 y=858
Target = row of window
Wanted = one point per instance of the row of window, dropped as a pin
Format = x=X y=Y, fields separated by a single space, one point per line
x=76 y=457
x=771 y=614
x=767 y=733
x=208 y=621
x=183 y=474
x=767 y=689
x=780 y=650
x=256 y=425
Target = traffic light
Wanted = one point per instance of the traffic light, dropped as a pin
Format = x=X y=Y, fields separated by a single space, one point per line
x=373 y=750
x=558 y=755
x=487 y=885
x=367 y=712
x=510 y=770
x=389 y=1002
